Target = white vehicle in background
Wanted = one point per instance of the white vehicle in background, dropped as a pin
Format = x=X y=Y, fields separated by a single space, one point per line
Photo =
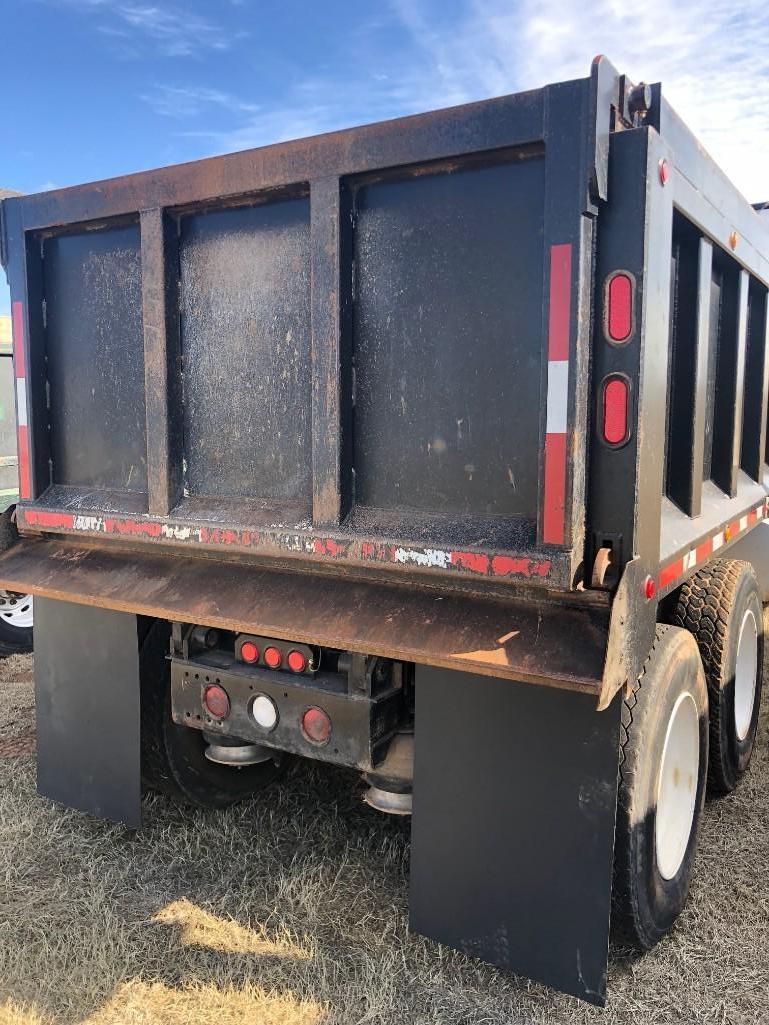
x=15 y=609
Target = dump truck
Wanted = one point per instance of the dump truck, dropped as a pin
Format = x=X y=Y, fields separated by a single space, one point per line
x=435 y=449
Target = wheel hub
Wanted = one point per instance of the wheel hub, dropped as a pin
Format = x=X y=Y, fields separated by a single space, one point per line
x=677 y=786
x=16 y=609
x=745 y=674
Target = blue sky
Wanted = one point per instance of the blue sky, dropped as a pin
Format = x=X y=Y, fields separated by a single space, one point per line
x=95 y=88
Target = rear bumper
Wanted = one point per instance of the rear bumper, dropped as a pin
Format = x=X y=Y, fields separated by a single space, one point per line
x=540 y=641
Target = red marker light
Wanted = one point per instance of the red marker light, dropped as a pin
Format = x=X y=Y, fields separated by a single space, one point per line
x=619 y=308
x=249 y=651
x=650 y=589
x=316 y=725
x=615 y=410
x=297 y=662
x=216 y=701
x=664 y=168
x=273 y=657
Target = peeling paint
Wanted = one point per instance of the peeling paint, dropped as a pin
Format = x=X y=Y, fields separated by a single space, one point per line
x=508 y=566
x=476 y=563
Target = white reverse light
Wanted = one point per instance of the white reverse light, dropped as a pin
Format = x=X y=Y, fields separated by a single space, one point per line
x=264 y=712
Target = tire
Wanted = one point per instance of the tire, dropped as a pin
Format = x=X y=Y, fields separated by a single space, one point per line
x=721 y=606
x=172 y=757
x=16 y=610
x=16 y=614
x=662 y=781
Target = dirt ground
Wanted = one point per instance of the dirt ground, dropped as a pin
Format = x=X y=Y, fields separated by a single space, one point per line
x=293 y=909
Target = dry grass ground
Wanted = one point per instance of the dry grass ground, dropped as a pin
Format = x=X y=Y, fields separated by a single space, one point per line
x=294 y=910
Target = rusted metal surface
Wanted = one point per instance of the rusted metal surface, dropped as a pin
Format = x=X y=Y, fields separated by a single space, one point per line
x=245 y=340
x=472 y=128
x=161 y=363
x=539 y=641
x=331 y=399
x=344 y=547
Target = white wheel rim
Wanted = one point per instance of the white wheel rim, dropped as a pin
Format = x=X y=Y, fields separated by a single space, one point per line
x=677 y=786
x=745 y=674
x=16 y=609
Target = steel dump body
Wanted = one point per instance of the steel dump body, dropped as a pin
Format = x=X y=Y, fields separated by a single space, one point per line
x=381 y=354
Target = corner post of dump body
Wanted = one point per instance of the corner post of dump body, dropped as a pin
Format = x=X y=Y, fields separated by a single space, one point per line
x=626 y=479
x=160 y=319
x=331 y=284
x=574 y=179
x=25 y=277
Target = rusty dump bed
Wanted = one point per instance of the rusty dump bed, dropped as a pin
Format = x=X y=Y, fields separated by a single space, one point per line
x=384 y=358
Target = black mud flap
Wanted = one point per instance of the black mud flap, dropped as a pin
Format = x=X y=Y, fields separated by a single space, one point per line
x=515 y=791
x=87 y=697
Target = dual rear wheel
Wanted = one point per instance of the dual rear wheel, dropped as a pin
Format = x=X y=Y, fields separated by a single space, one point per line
x=688 y=725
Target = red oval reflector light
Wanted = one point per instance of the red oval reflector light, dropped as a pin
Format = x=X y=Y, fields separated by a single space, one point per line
x=619 y=312
x=217 y=701
x=615 y=403
x=297 y=663
x=316 y=725
x=273 y=657
x=249 y=651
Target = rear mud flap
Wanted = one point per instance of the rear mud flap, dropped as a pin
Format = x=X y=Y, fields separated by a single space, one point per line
x=87 y=698
x=515 y=791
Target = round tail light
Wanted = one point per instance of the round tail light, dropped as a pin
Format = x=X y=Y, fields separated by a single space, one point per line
x=316 y=725
x=297 y=661
x=249 y=651
x=273 y=657
x=216 y=701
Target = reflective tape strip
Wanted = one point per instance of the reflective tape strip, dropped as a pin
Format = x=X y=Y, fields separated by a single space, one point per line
x=21 y=401
x=556 y=435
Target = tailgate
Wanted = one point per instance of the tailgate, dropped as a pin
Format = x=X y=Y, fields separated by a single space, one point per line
x=368 y=348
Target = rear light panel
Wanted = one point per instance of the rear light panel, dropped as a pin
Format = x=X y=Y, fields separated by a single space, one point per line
x=276 y=655
x=615 y=410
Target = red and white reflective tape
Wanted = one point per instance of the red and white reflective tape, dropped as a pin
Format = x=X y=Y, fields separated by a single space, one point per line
x=22 y=425
x=559 y=329
x=700 y=554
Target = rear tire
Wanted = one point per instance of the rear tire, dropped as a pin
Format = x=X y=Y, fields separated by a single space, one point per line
x=15 y=622
x=173 y=759
x=721 y=606
x=662 y=777
x=15 y=609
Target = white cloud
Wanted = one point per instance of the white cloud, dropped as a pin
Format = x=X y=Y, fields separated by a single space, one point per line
x=712 y=58
x=172 y=31
x=190 y=101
